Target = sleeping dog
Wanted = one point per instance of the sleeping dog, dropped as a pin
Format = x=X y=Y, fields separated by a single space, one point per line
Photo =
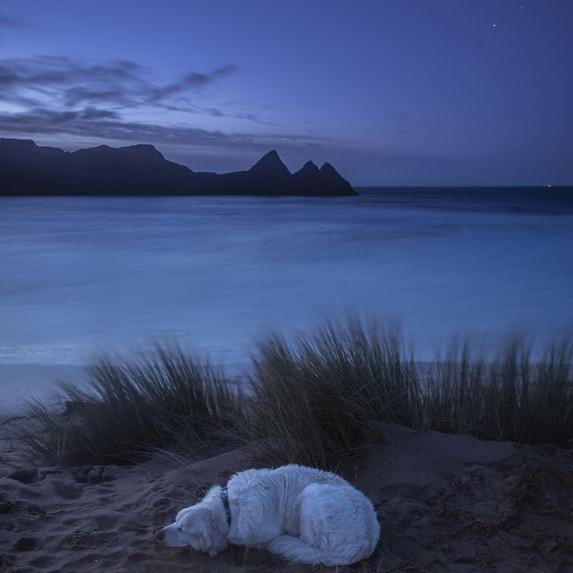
x=304 y=514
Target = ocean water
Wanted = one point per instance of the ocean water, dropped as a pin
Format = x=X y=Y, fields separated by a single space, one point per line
x=79 y=276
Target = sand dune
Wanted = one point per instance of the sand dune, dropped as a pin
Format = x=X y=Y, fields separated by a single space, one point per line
x=446 y=503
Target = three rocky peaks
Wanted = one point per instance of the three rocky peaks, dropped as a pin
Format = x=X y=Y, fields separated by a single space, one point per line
x=28 y=169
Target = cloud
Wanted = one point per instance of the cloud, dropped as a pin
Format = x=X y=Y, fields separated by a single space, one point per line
x=62 y=81
x=200 y=148
x=108 y=125
x=59 y=97
x=63 y=95
x=9 y=22
x=190 y=81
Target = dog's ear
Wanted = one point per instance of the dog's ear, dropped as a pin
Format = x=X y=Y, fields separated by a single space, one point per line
x=193 y=514
x=181 y=514
x=202 y=515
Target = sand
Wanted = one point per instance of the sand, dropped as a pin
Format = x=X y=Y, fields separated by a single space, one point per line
x=445 y=503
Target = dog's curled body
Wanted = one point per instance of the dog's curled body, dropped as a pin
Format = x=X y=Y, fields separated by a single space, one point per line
x=303 y=514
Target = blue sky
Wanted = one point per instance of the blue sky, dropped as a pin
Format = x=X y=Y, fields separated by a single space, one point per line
x=393 y=92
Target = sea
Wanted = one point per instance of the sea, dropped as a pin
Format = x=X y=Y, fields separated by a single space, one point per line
x=82 y=277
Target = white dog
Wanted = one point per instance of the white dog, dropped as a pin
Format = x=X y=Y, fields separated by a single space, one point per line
x=300 y=513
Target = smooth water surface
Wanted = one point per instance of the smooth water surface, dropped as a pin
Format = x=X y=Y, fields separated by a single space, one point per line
x=84 y=275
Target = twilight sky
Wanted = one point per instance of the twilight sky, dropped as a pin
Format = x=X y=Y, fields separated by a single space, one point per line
x=393 y=92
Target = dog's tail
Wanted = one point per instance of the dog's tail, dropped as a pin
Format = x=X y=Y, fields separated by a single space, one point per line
x=297 y=550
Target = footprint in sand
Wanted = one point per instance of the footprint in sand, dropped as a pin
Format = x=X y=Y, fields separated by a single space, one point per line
x=66 y=489
x=24 y=475
x=93 y=474
x=106 y=521
x=26 y=544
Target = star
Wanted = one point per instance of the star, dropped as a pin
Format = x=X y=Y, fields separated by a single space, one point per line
x=494 y=26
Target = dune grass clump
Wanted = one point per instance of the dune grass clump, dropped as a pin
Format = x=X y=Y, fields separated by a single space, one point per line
x=317 y=395
x=512 y=393
x=311 y=399
x=133 y=406
x=314 y=397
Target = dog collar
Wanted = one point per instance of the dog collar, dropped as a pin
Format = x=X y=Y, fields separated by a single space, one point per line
x=225 y=500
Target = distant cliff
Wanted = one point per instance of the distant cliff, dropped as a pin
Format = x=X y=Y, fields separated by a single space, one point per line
x=27 y=169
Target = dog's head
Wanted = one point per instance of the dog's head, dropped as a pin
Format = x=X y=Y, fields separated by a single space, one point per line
x=197 y=527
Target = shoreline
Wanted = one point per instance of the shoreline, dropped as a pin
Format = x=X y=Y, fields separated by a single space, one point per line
x=20 y=382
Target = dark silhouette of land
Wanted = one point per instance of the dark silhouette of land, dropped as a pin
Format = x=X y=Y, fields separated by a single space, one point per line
x=27 y=169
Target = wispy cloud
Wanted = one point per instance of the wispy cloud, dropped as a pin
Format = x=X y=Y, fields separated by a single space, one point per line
x=91 y=122
x=61 y=81
x=55 y=99
x=189 y=81
x=62 y=96
x=10 y=22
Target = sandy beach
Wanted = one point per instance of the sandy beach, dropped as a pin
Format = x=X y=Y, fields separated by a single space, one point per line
x=445 y=503
x=332 y=236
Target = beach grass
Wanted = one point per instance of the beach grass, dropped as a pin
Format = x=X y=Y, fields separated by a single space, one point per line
x=312 y=398
x=513 y=392
x=133 y=406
